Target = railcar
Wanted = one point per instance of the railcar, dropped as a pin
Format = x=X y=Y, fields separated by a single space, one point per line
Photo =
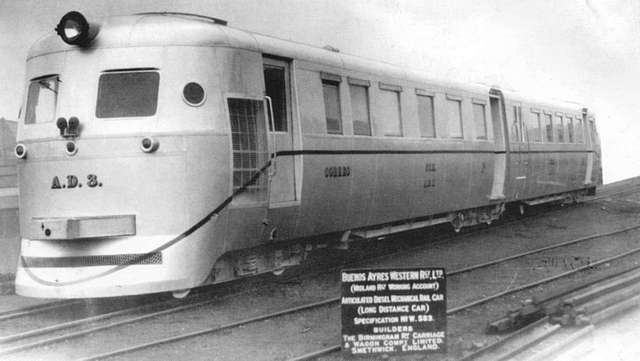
x=159 y=152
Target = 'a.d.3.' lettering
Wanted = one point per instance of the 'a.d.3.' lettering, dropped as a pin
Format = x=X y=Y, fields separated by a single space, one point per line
x=72 y=181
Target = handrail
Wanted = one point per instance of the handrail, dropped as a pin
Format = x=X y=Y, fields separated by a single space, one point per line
x=273 y=150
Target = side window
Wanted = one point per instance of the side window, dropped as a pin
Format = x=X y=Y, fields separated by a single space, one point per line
x=480 y=120
x=569 y=128
x=579 y=129
x=390 y=121
x=426 y=116
x=516 y=125
x=534 y=126
x=360 y=109
x=559 y=129
x=275 y=84
x=331 y=91
x=454 y=117
x=127 y=94
x=42 y=97
x=593 y=129
x=548 y=127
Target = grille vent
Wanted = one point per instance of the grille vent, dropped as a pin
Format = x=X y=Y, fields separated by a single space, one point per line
x=89 y=261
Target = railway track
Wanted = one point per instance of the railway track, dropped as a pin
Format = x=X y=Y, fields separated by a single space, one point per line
x=83 y=322
x=465 y=232
x=36 y=309
x=334 y=301
x=593 y=303
x=477 y=302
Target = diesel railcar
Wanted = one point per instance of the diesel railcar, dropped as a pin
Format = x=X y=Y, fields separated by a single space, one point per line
x=164 y=151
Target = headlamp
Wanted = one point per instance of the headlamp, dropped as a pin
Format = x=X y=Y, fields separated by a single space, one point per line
x=74 y=29
x=149 y=144
x=20 y=151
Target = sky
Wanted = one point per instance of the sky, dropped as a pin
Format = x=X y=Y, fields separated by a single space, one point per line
x=579 y=50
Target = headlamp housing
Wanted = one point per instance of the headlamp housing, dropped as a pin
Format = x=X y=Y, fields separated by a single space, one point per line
x=74 y=29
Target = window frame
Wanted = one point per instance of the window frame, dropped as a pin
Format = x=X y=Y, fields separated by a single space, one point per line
x=128 y=71
x=538 y=118
x=560 y=128
x=548 y=116
x=457 y=99
x=426 y=94
x=325 y=80
x=274 y=62
x=520 y=136
x=397 y=90
x=55 y=106
x=366 y=84
x=483 y=103
x=571 y=137
x=580 y=128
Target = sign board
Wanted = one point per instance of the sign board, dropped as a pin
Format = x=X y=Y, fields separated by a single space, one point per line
x=393 y=310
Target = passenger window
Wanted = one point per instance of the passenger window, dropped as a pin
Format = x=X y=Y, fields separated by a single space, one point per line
x=454 y=117
x=548 y=127
x=426 y=116
x=42 y=97
x=480 y=120
x=559 y=129
x=390 y=123
x=360 y=109
x=331 y=91
x=127 y=94
x=534 y=127
x=516 y=126
x=579 y=130
x=570 y=130
x=594 y=130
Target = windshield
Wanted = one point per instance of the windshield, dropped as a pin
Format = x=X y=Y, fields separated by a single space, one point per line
x=127 y=94
x=41 y=100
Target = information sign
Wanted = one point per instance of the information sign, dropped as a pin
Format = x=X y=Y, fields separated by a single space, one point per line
x=393 y=310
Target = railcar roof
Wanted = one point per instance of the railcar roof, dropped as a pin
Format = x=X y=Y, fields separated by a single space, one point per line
x=177 y=30
x=548 y=104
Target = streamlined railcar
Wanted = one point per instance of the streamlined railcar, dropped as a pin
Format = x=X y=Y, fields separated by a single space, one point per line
x=159 y=152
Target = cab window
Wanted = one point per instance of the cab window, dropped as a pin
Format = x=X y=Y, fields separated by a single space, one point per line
x=127 y=94
x=42 y=97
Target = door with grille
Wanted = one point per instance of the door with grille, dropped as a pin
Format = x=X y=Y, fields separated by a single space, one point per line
x=250 y=151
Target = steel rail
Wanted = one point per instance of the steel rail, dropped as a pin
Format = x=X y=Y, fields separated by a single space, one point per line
x=55 y=305
x=208 y=330
x=36 y=309
x=315 y=354
x=584 y=297
x=473 y=230
x=518 y=289
x=59 y=304
x=336 y=300
x=83 y=332
x=79 y=322
x=545 y=280
x=512 y=336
